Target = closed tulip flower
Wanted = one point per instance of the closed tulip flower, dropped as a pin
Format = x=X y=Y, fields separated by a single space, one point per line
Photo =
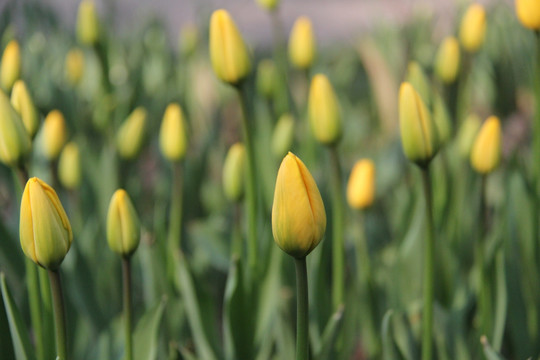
x=54 y=134
x=528 y=13
x=87 y=23
x=10 y=69
x=22 y=102
x=266 y=78
x=44 y=228
x=417 y=78
x=323 y=110
x=15 y=142
x=302 y=45
x=473 y=28
x=486 y=150
x=130 y=136
x=74 y=66
x=467 y=133
x=69 y=166
x=172 y=135
x=189 y=38
x=361 y=186
x=283 y=136
x=298 y=215
x=228 y=52
x=442 y=121
x=268 y=4
x=123 y=229
x=234 y=172
x=448 y=60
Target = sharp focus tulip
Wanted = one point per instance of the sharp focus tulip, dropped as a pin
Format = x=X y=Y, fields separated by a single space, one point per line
x=54 y=134
x=528 y=13
x=10 y=69
x=448 y=60
x=234 y=170
x=130 y=136
x=473 y=28
x=15 y=142
x=69 y=166
x=486 y=150
x=123 y=229
x=23 y=103
x=172 y=135
x=361 y=186
x=302 y=45
x=324 y=112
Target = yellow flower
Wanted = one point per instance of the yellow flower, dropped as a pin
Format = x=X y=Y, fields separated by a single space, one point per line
x=22 y=102
x=298 y=215
x=228 y=53
x=486 y=150
x=268 y=4
x=15 y=142
x=302 y=45
x=528 y=13
x=417 y=78
x=87 y=23
x=361 y=186
x=123 y=229
x=74 y=65
x=324 y=112
x=54 y=134
x=44 y=227
x=418 y=133
x=473 y=28
x=266 y=78
x=448 y=60
x=234 y=170
x=172 y=135
x=130 y=136
x=69 y=166
x=283 y=136
x=10 y=70
x=467 y=133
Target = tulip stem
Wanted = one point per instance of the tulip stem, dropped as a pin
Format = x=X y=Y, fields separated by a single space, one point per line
x=126 y=276
x=338 y=250
x=175 y=215
x=429 y=262
x=59 y=314
x=302 y=307
x=484 y=304
x=536 y=133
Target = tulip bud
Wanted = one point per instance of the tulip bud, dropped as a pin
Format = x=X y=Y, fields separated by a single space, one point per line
x=130 y=136
x=486 y=150
x=266 y=78
x=473 y=28
x=10 y=70
x=417 y=78
x=298 y=215
x=189 y=37
x=234 y=170
x=283 y=136
x=467 y=133
x=361 y=186
x=22 y=102
x=44 y=227
x=528 y=13
x=268 y=4
x=302 y=44
x=74 y=65
x=447 y=60
x=442 y=121
x=123 y=229
x=87 y=23
x=323 y=109
x=228 y=52
x=172 y=135
x=15 y=142
x=54 y=134
x=69 y=166
x=418 y=134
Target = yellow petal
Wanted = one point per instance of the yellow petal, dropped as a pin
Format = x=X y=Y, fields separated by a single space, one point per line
x=302 y=45
x=361 y=185
x=486 y=151
x=172 y=135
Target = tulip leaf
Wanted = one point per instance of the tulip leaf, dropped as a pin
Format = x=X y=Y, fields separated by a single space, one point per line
x=145 y=336
x=388 y=347
x=324 y=348
x=501 y=301
x=488 y=350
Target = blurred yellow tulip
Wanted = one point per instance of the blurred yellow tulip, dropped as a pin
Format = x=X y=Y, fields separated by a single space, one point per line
x=268 y=4
x=417 y=78
x=323 y=111
x=54 y=134
x=69 y=166
x=22 y=102
x=486 y=150
x=15 y=143
x=361 y=185
x=528 y=13
x=266 y=78
x=234 y=172
x=442 y=121
x=172 y=135
x=473 y=28
x=467 y=133
x=283 y=136
x=123 y=229
x=74 y=66
x=87 y=23
x=10 y=69
x=130 y=136
x=302 y=44
x=448 y=60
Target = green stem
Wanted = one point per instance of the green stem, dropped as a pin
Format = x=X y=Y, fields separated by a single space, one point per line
x=429 y=262
x=126 y=277
x=47 y=315
x=338 y=224
x=35 y=306
x=302 y=346
x=536 y=134
x=175 y=215
x=236 y=248
x=59 y=315
x=484 y=304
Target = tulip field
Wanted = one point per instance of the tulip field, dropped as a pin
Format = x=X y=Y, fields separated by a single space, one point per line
x=202 y=196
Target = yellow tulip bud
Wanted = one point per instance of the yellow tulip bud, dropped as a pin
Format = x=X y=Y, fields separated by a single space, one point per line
x=234 y=170
x=172 y=135
x=442 y=121
x=228 y=52
x=486 y=150
x=15 y=142
x=467 y=133
x=283 y=136
x=130 y=136
x=22 y=102
x=448 y=60
x=473 y=28
x=44 y=227
x=87 y=23
x=266 y=78
x=418 y=133
x=69 y=166
x=189 y=37
x=74 y=66
x=528 y=13
x=417 y=78
x=268 y=4
x=298 y=215
x=123 y=229
x=10 y=70
x=54 y=134
x=324 y=113
x=361 y=186
x=302 y=45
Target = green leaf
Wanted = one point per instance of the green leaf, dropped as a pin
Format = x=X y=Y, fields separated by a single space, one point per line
x=389 y=350
x=501 y=301
x=145 y=337
x=324 y=348
x=488 y=350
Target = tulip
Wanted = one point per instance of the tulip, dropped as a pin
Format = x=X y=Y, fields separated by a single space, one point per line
x=323 y=111
x=486 y=150
x=10 y=70
x=417 y=78
x=473 y=28
x=228 y=52
x=266 y=78
x=528 y=13
x=447 y=60
x=298 y=215
x=234 y=170
x=54 y=134
x=130 y=136
x=15 y=142
x=189 y=38
x=44 y=228
x=441 y=119
x=283 y=136
x=22 y=102
x=74 y=65
x=69 y=166
x=123 y=229
x=87 y=23
x=418 y=134
x=269 y=5
x=361 y=186
x=467 y=133
x=172 y=135
x=302 y=45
